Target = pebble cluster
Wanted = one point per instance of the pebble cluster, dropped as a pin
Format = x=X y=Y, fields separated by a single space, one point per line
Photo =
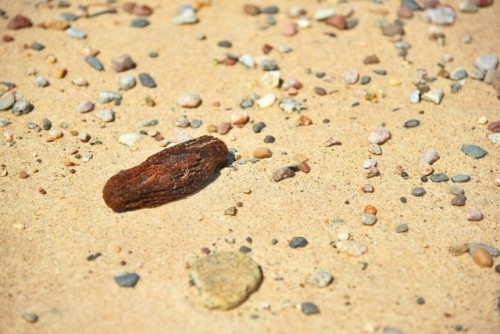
x=225 y=280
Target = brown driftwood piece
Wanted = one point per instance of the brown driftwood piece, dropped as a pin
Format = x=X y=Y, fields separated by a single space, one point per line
x=166 y=176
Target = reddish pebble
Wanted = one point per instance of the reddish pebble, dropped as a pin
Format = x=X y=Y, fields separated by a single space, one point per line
x=290 y=29
x=494 y=126
x=224 y=128
x=405 y=12
x=304 y=167
x=304 y=120
x=251 y=10
x=370 y=209
x=474 y=215
x=292 y=91
x=483 y=3
x=19 y=22
x=122 y=63
x=7 y=38
x=267 y=48
x=230 y=61
x=23 y=175
x=337 y=21
x=42 y=191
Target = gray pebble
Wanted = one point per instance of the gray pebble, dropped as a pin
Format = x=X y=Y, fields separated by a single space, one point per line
x=418 y=191
x=106 y=115
x=460 y=178
x=37 y=46
x=76 y=33
x=439 y=177
x=46 y=124
x=380 y=72
x=269 y=139
x=455 y=87
x=369 y=163
x=270 y=10
x=196 y=123
x=30 y=317
x=139 y=23
x=245 y=249
x=297 y=242
x=22 y=107
x=106 y=96
x=258 y=127
x=468 y=6
x=412 y=123
x=492 y=250
x=494 y=138
x=309 y=308
x=368 y=219
x=375 y=149
x=365 y=79
x=321 y=279
x=123 y=63
x=477 y=74
x=150 y=123
x=146 y=80
x=350 y=77
x=402 y=228
x=85 y=106
x=271 y=20
x=126 y=82
x=41 y=82
x=412 y=4
x=474 y=151
x=246 y=103
x=225 y=44
x=94 y=62
x=283 y=173
x=458 y=74
x=7 y=101
x=69 y=16
x=456 y=190
x=290 y=105
x=269 y=65
x=434 y=95
x=128 y=280
x=486 y=62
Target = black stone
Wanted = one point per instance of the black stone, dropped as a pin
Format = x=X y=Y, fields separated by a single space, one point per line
x=269 y=139
x=297 y=242
x=258 y=127
x=412 y=123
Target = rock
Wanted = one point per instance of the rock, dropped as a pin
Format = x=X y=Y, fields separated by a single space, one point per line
x=130 y=139
x=224 y=128
x=251 y=9
x=309 y=308
x=186 y=16
x=411 y=4
x=76 y=33
x=439 y=177
x=458 y=249
x=483 y=3
x=262 y=153
x=468 y=6
x=494 y=126
x=392 y=30
x=323 y=14
x=490 y=249
x=371 y=59
x=298 y=242
x=460 y=178
x=94 y=63
x=429 y=157
x=123 y=63
x=189 y=101
x=368 y=219
x=459 y=200
x=418 y=191
x=440 y=15
x=474 y=215
x=247 y=61
x=402 y=228
x=332 y=141
x=19 y=22
x=85 y=106
x=139 y=10
x=225 y=279
x=482 y=258
x=350 y=77
x=146 y=80
x=41 y=82
x=411 y=123
x=106 y=96
x=266 y=101
x=486 y=62
x=7 y=101
x=321 y=279
x=474 y=151
x=350 y=247
x=404 y=12
x=434 y=95
x=456 y=190
x=55 y=134
x=80 y=82
x=283 y=173
x=270 y=79
x=337 y=21
x=379 y=136
x=182 y=122
x=30 y=317
x=139 y=23
x=22 y=107
x=126 y=82
x=289 y=29
x=258 y=127
x=320 y=91
x=458 y=74
x=414 y=97
x=495 y=138
x=106 y=115
x=128 y=280
x=290 y=105
x=4 y=122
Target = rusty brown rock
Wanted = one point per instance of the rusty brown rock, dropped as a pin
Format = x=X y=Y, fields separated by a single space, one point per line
x=337 y=21
x=19 y=22
x=494 y=126
x=166 y=176
x=304 y=167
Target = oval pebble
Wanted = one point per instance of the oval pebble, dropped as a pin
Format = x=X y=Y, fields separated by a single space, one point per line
x=126 y=82
x=76 y=33
x=309 y=308
x=474 y=151
x=262 y=153
x=7 y=101
x=482 y=258
x=146 y=80
x=298 y=242
x=379 y=136
x=266 y=101
x=130 y=139
x=128 y=280
x=368 y=219
x=418 y=191
x=429 y=157
x=412 y=123
x=189 y=101
x=106 y=115
x=258 y=127
x=459 y=200
x=22 y=107
x=492 y=250
x=85 y=106
x=94 y=63
x=321 y=279
x=460 y=178
x=439 y=177
x=139 y=23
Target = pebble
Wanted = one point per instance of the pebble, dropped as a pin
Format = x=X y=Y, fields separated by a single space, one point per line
x=126 y=82
x=455 y=87
x=393 y=30
x=195 y=123
x=414 y=97
x=418 y=191
x=247 y=61
x=122 y=63
x=128 y=280
x=139 y=23
x=371 y=59
x=186 y=16
x=474 y=215
x=266 y=101
x=76 y=33
x=189 y=101
x=442 y=15
x=94 y=63
x=262 y=153
x=130 y=139
x=460 y=178
x=146 y=80
x=135 y=9
x=30 y=317
x=298 y=242
x=391 y=330
x=224 y=128
x=367 y=188
x=321 y=278
x=4 y=122
x=494 y=138
x=365 y=79
x=474 y=151
x=246 y=103
x=46 y=124
x=369 y=163
x=458 y=250
x=22 y=107
x=80 y=82
x=411 y=123
x=486 y=62
x=106 y=115
x=304 y=120
x=251 y=9
x=19 y=22
x=55 y=134
x=320 y=91
x=244 y=249
x=459 y=200
x=225 y=279
x=467 y=6
x=490 y=249
x=85 y=106
x=283 y=173
x=434 y=95
x=375 y=149
x=258 y=127
x=225 y=44
x=379 y=136
x=337 y=21
x=290 y=29
x=268 y=64
x=7 y=101
x=309 y=308
x=482 y=258
x=83 y=137
x=439 y=177
x=182 y=122
x=494 y=126
x=332 y=141
x=404 y=12
x=350 y=247
x=323 y=14
x=456 y=190
x=269 y=139
x=270 y=10
x=60 y=73
x=477 y=74
x=458 y=74
x=37 y=46
x=290 y=105
x=270 y=79
x=402 y=228
x=69 y=16
x=106 y=96
x=368 y=219
x=350 y=77
x=41 y=82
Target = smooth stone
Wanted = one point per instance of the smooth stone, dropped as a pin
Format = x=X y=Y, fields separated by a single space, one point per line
x=85 y=106
x=439 y=177
x=182 y=122
x=37 y=46
x=41 y=82
x=459 y=200
x=495 y=138
x=123 y=63
x=375 y=149
x=289 y=29
x=474 y=151
x=19 y=22
x=106 y=96
x=411 y=123
x=365 y=80
x=282 y=173
x=458 y=74
x=251 y=9
x=468 y=6
x=94 y=63
x=455 y=87
x=247 y=61
x=266 y=101
x=246 y=103
x=477 y=74
x=69 y=16
x=7 y=100
x=269 y=65
x=290 y=105
x=309 y=308
x=189 y=101
x=22 y=107
x=323 y=14
x=460 y=178
x=369 y=163
x=225 y=44
x=146 y=80
x=402 y=228
x=429 y=157
x=298 y=242
x=269 y=140
x=434 y=95
x=350 y=247
x=186 y=16
x=321 y=279
x=440 y=15
x=486 y=62
x=126 y=82
x=195 y=123
x=474 y=215
x=350 y=77
x=30 y=317
x=130 y=139
x=270 y=10
x=379 y=136
x=492 y=250
x=225 y=279
x=139 y=23
x=270 y=79
x=4 y=122
x=128 y=280
x=106 y=115
x=368 y=219
x=76 y=33
x=393 y=29
x=258 y=127
x=482 y=258
x=456 y=190
x=411 y=4
x=418 y=191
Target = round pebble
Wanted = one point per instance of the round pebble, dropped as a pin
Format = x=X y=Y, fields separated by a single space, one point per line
x=106 y=115
x=486 y=62
x=458 y=74
x=258 y=127
x=459 y=200
x=122 y=63
x=189 y=101
x=456 y=190
x=402 y=228
x=368 y=219
x=439 y=177
x=289 y=29
x=412 y=123
x=262 y=153
x=224 y=128
x=76 y=33
x=429 y=157
x=30 y=317
x=269 y=139
x=41 y=82
x=298 y=242
x=350 y=77
x=418 y=191
x=196 y=123
x=126 y=82
x=85 y=106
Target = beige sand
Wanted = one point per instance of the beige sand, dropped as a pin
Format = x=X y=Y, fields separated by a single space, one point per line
x=44 y=268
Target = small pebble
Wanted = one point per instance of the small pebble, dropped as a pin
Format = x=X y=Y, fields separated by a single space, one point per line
x=122 y=63
x=19 y=22
x=321 y=279
x=474 y=151
x=139 y=23
x=186 y=16
x=482 y=258
x=251 y=9
x=37 y=46
x=195 y=123
x=22 y=107
x=46 y=124
x=309 y=308
x=189 y=101
x=350 y=77
x=245 y=249
x=76 y=33
x=402 y=228
x=456 y=190
x=7 y=100
x=351 y=248
x=458 y=74
x=146 y=80
x=85 y=106
x=289 y=29
x=434 y=95
x=412 y=123
x=460 y=178
x=128 y=280
x=80 y=82
x=442 y=15
x=492 y=250
x=41 y=82
x=239 y=118
x=269 y=139
x=298 y=242
x=94 y=63
x=224 y=128
x=126 y=82
x=258 y=127
x=379 y=136
x=106 y=96
x=418 y=191
x=320 y=91
x=459 y=200
x=486 y=62
x=106 y=115
x=414 y=97
x=262 y=153
x=182 y=122
x=231 y=211
x=368 y=219
x=474 y=215
x=55 y=134
x=266 y=101
x=494 y=126
x=439 y=177
x=30 y=317
x=130 y=139
x=225 y=44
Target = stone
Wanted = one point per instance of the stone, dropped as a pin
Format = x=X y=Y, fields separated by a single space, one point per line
x=323 y=14
x=320 y=91
x=55 y=134
x=4 y=122
x=290 y=29
x=456 y=190
x=123 y=63
x=379 y=136
x=139 y=23
x=411 y=123
x=393 y=29
x=482 y=258
x=459 y=200
x=440 y=15
x=85 y=106
x=350 y=77
x=258 y=127
x=182 y=122
x=262 y=153
x=186 y=16
x=414 y=97
x=251 y=9
x=224 y=128
x=107 y=96
x=225 y=279
x=402 y=228
x=411 y=4
x=474 y=151
x=30 y=317
x=139 y=10
x=80 y=82
x=283 y=173
x=106 y=115
x=371 y=59
x=7 y=101
x=94 y=63
x=418 y=191
x=332 y=141
x=290 y=105
x=309 y=308
x=439 y=177
x=468 y=6
x=321 y=278
x=458 y=74
x=298 y=242
x=337 y=21
x=458 y=250
x=494 y=138
x=130 y=139
x=460 y=178
x=189 y=101
x=22 y=107
x=350 y=247
x=429 y=157
x=146 y=80
x=19 y=22
x=76 y=33
x=494 y=126
x=270 y=79
x=486 y=62
x=434 y=95
x=490 y=249
x=368 y=219
x=404 y=12
x=266 y=101
x=126 y=82
x=128 y=280
x=247 y=61
x=474 y=215
x=41 y=82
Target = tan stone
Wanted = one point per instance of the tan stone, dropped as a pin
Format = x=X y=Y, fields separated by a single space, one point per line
x=482 y=257
x=262 y=153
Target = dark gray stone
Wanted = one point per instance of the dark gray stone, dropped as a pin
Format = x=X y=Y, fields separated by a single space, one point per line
x=412 y=123
x=309 y=308
x=246 y=103
x=139 y=23
x=439 y=177
x=418 y=191
x=298 y=242
x=37 y=46
x=258 y=127
x=128 y=280
x=146 y=80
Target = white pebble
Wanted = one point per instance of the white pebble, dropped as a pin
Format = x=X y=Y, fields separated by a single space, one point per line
x=130 y=139
x=189 y=101
x=106 y=115
x=350 y=247
x=270 y=79
x=266 y=101
x=429 y=157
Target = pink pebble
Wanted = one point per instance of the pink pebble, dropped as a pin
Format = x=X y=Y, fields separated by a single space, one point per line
x=379 y=136
x=474 y=215
x=290 y=29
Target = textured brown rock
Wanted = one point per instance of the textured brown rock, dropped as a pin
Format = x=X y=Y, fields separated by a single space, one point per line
x=166 y=176
x=19 y=22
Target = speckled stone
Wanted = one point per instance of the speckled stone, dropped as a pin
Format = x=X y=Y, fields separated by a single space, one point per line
x=189 y=101
x=458 y=74
x=368 y=219
x=321 y=278
x=85 y=106
x=22 y=107
x=379 y=136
